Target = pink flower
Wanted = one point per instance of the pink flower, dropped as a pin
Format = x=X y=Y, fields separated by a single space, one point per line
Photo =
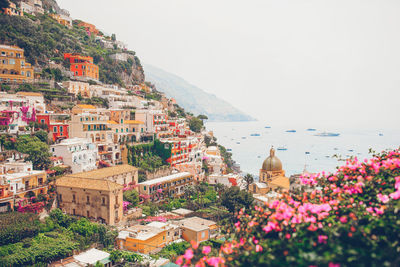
x=395 y=195
x=179 y=260
x=322 y=239
x=206 y=250
x=383 y=198
x=343 y=219
x=188 y=254
x=214 y=261
x=331 y=264
x=259 y=248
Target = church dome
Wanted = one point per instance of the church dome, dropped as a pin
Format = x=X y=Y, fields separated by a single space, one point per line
x=272 y=163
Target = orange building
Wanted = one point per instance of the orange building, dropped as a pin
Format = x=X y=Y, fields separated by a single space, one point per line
x=142 y=238
x=82 y=66
x=90 y=28
x=12 y=10
x=13 y=67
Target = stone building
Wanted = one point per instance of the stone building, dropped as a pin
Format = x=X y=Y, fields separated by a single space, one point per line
x=91 y=198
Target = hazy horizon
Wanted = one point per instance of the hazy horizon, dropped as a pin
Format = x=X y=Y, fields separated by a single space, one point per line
x=330 y=64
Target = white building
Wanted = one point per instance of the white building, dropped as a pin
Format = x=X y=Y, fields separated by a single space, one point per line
x=79 y=153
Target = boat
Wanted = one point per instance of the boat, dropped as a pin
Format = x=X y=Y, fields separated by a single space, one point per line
x=336 y=148
x=243 y=137
x=291 y=131
x=311 y=129
x=267 y=127
x=229 y=150
x=255 y=134
x=381 y=134
x=325 y=134
x=282 y=148
x=307 y=153
x=238 y=143
x=351 y=150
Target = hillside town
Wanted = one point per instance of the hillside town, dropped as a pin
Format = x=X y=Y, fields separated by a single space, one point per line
x=99 y=168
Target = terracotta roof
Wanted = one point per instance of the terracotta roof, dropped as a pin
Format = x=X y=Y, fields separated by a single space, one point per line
x=281 y=181
x=133 y=122
x=104 y=172
x=29 y=94
x=87 y=183
x=111 y=122
x=87 y=106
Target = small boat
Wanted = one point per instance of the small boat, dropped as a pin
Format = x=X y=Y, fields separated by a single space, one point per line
x=307 y=153
x=255 y=134
x=243 y=137
x=281 y=148
x=229 y=150
x=325 y=134
x=381 y=134
x=238 y=143
x=311 y=129
x=351 y=150
x=259 y=157
x=336 y=148
x=267 y=127
x=291 y=131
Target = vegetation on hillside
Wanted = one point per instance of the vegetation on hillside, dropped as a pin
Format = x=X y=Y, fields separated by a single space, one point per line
x=25 y=241
x=43 y=39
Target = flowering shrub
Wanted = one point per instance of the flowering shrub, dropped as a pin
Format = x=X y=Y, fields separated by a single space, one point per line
x=353 y=219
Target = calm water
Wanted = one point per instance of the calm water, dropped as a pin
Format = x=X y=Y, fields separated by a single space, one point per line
x=252 y=150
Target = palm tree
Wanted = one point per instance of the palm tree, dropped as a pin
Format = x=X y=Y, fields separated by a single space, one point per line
x=249 y=179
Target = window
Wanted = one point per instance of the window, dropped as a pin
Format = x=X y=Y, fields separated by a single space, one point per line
x=73 y=211
x=12 y=61
x=42 y=121
x=144 y=188
x=87 y=214
x=61 y=129
x=103 y=200
x=60 y=197
x=87 y=200
x=73 y=200
x=203 y=234
x=54 y=129
x=28 y=74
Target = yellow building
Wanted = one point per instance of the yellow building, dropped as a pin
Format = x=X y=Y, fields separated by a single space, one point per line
x=142 y=238
x=91 y=198
x=13 y=67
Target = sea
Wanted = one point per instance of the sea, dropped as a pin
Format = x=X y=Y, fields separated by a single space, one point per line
x=305 y=150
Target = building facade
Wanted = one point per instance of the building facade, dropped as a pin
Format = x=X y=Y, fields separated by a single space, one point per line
x=13 y=65
x=166 y=187
x=82 y=66
x=79 y=153
x=94 y=199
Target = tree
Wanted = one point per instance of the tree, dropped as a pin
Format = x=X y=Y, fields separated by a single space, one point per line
x=113 y=37
x=196 y=124
x=132 y=196
x=79 y=96
x=249 y=179
x=234 y=199
x=4 y=4
x=38 y=152
x=202 y=117
x=42 y=135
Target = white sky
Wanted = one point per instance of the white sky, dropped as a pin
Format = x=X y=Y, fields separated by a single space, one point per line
x=315 y=62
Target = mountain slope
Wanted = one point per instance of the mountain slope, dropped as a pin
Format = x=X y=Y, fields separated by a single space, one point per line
x=192 y=98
